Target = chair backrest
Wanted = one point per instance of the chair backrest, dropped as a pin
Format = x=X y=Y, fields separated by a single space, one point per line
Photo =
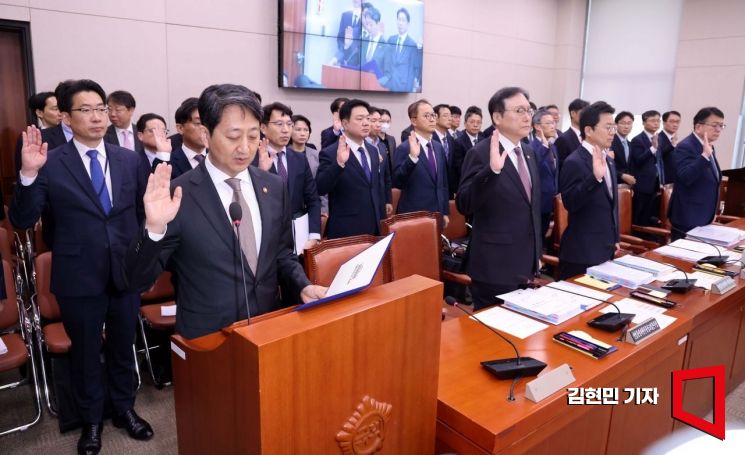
x=561 y=220
x=161 y=291
x=395 y=196
x=624 y=210
x=667 y=193
x=5 y=250
x=416 y=248
x=456 y=228
x=9 y=305
x=324 y=259
x=48 y=306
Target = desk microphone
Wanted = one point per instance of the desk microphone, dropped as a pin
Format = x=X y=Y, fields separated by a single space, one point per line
x=677 y=285
x=504 y=368
x=608 y=322
x=236 y=214
x=713 y=260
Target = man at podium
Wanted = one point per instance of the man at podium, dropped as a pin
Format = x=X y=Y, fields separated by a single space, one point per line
x=188 y=225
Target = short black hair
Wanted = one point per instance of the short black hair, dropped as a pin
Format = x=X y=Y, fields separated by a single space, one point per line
x=215 y=98
x=650 y=113
x=578 y=104
x=550 y=106
x=39 y=101
x=336 y=104
x=384 y=111
x=121 y=97
x=275 y=106
x=372 y=13
x=667 y=115
x=406 y=13
x=374 y=110
x=455 y=110
x=706 y=112
x=183 y=113
x=472 y=110
x=144 y=118
x=346 y=110
x=301 y=118
x=439 y=107
x=590 y=115
x=72 y=88
x=496 y=103
x=623 y=114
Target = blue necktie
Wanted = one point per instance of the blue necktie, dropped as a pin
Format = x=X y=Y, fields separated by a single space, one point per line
x=446 y=147
x=365 y=166
x=98 y=179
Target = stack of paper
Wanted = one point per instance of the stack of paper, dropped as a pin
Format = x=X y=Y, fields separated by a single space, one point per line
x=509 y=322
x=625 y=276
x=645 y=265
x=3 y=348
x=642 y=311
x=681 y=253
x=549 y=304
x=720 y=235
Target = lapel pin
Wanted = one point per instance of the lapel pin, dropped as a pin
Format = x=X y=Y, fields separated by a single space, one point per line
x=264 y=189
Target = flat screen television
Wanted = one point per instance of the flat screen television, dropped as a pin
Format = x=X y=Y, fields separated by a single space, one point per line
x=351 y=45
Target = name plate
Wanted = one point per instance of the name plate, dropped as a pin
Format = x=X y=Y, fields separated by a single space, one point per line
x=642 y=331
x=548 y=383
x=723 y=286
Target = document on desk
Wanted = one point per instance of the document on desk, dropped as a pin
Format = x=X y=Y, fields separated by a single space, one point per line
x=3 y=348
x=356 y=274
x=547 y=304
x=681 y=253
x=642 y=311
x=720 y=235
x=510 y=322
x=581 y=290
x=300 y=232
x=625 y=276
x=168 y=310
x=643 y=264
x=703 y=280
x=710 y=250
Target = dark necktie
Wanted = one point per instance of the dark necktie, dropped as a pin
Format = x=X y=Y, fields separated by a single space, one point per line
x=625 y=148
x=713 y=161
x=199 y=158
x=246 y=228
x=522 y=171
x=431 y=164
x=281 y=169
x=363 y=162
x=98 y=179
x=446 y=147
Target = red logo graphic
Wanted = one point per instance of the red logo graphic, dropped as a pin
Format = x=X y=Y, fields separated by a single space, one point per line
x=715 y=428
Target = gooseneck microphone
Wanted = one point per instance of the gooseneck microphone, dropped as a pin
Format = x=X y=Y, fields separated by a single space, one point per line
x=510 y=368
x=236 y=214
x=608 y=322
x=713 y=260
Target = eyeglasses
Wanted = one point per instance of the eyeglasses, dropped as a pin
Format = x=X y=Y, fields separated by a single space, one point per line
x=157 y=130
x=430 y=115
x=716 y=126
x=610 y=128
x=280 y=124
x=522 y=111
x=86 y=111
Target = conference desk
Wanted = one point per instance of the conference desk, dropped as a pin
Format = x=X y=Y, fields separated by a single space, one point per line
x=475 y=417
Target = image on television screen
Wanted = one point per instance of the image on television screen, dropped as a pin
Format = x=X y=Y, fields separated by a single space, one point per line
x=351 y=45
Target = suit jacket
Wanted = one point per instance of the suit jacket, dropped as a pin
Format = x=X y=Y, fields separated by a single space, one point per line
x=200 y=247
x=419 y=191
x=54 y=137
x=665 y=149
x=356 y=205
x=390 y=143
x=328 y=137
x=176 y=140
x=380 y=55
x=462 y=145
x=88 y=245
x=405 y=133
x=506 y=239
x=385 y=170
x=402 y=67
x=112 y=138
x=548 y=162
x=344 y=22
x=566 y=143
x=643 y=165
x=449 y=157
x=592 y=232
x=487 y=133
x=179 y=162
x=619 y=156
x=696 y=192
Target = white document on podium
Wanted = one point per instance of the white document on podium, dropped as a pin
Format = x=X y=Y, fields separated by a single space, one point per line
x=300 y=232
x=355 y=274
x=3 y=348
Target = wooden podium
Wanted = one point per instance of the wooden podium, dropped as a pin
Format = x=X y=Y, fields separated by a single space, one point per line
x=734 y=202
x=345 y=377
x=349 y=79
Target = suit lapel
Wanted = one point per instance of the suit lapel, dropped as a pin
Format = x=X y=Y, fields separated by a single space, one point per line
x=511 y=171
x=116 y=170
x=259 y=183
x=74 y=164
x=293 y=167
x=356 y=163
x=208 y=201
x=425 y=162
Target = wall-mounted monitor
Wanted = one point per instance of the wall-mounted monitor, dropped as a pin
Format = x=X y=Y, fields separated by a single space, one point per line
x=351 y=45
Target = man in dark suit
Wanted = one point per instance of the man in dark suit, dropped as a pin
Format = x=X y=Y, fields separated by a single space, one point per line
x=698 y=175
x=468 y=138
x=500 y=191
x=350 y=24
x=156 y=148
x=121 y=131
x=385 y=155
x=188 y=225
x=455 y=114
x=646 y=166
x=443 y=136
x=331 y=134
x=192 y=149
x=278 y=158
x=374 y=50
x=548 y=162
x=622 y=148
x=569 y=140
x=420 y=167
x=404 y=68
x=45 y=111
x=667 y=142
x=349 y=172
x=590 y=194
x=93 y=193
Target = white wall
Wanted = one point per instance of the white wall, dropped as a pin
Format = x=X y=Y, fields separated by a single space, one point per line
x=164 y=51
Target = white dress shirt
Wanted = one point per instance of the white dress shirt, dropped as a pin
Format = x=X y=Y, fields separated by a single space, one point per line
x=608 y=182
x=190 y=154
x=576 y=131
x=354 y=148
x=509 y=147
x=423 y=143
x=649 y=136
x=275 y=156
x=163 y=156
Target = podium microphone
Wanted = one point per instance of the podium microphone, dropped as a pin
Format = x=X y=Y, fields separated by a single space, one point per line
x=713 y=260
x=504 y=368
x=236 y=214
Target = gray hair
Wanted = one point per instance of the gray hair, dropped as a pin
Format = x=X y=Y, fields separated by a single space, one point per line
x=539 y=115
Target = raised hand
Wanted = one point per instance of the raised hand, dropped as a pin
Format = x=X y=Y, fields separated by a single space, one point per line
x=348 y=35
x=337 y=122
x=33 y=152
x=414 y=147
x=313 y=292
x=655 y=136
x=388 y=209
x=265 y=160
x=708 y=149
x=342 y=151
x=674 y=140
x=496 y=159
x=162 y=144
x=598 y=162
x=542 y=137
x=160 y=207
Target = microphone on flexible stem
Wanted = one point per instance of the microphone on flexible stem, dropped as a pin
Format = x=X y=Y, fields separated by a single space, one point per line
x=236 y=214
x=504 y=368
x=713 y=260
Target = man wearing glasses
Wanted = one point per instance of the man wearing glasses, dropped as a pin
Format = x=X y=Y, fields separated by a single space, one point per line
x=92 y=191
x=191 y=149
x=697 y=179
x=152 y=131
x=121 y=131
